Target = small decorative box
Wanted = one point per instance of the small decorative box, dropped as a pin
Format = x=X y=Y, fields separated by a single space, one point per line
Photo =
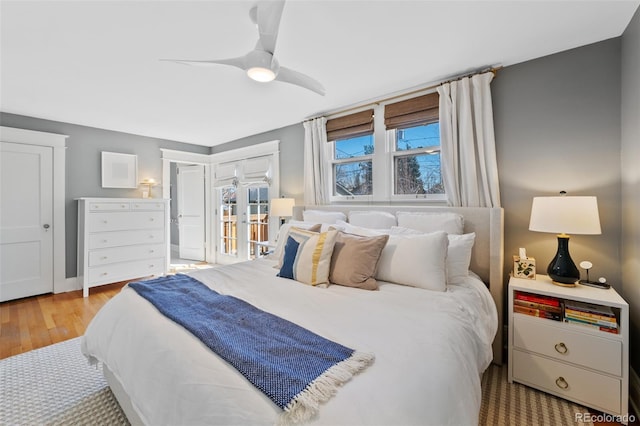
x=524 y=267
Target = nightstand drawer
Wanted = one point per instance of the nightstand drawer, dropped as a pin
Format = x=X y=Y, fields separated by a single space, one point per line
x=556 y=341
x=586 y=387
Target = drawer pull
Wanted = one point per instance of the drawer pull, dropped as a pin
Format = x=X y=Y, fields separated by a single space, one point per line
x=152 y=251
x=562 y=383
x=104 y=221
x=561 y=348
x=105 y=241
x=151 y=219
x=151 y=236
x=103 y=258
x=123 y=205
x=151 y=266
x=104 y=273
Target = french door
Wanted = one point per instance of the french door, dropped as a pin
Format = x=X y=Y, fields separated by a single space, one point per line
x=243 y=222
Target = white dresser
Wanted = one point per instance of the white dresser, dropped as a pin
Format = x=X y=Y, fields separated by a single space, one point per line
x=121 y=239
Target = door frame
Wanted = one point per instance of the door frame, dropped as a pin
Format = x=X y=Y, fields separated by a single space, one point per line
x=209 y=161
x=183 y=157
x=58 y=142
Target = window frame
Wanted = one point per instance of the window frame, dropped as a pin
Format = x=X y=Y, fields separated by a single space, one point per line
x=382 y=159
x=392 y=135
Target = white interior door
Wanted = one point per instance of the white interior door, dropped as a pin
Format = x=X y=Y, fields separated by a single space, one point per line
x=26 y=218
x=190 y=181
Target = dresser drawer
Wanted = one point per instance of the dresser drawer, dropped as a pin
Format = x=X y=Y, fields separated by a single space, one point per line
x=101 y=222
x=147 y=205
x=126 y=270
x=108 y=206
x=125 y=238
x=570 y=382
x=557 y=341
x=123 y=254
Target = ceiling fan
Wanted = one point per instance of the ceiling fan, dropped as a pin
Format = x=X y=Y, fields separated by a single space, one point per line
x=260 y=64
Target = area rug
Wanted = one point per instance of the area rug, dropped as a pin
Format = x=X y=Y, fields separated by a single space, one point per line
x=506 y=403
x=56 y=386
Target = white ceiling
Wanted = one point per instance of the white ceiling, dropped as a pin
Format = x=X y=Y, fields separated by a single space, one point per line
x=96 y=63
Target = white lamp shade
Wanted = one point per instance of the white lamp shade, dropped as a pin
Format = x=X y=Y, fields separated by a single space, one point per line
x=568 y=215
x=282 y=207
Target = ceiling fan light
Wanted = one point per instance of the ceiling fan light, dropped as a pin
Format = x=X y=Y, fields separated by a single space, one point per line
x=261 y=74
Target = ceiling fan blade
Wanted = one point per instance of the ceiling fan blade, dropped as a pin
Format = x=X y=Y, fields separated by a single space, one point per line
x=269 y=13
x=294 y=77
x=236 y=62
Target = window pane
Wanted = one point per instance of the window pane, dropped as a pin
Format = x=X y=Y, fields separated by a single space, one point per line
x=354 y=147
x=353 y=178
x=418 y=174
x=418 y=137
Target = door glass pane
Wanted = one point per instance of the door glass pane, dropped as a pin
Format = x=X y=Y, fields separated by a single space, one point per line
x=257 y=220
x=228 y=221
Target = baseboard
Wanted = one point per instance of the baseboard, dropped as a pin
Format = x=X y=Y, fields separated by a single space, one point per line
x=69 y=284
x=634 y=391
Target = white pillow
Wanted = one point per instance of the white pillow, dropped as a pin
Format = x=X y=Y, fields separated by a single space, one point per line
x=281 y=238
x=458 y=253
x=459 y=256
x=359 y=230
x=372 y=219
x=451 y=223
x=415 y=260
x=321 y=216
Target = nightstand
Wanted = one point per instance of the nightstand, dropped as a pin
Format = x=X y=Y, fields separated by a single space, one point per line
x=581 y=363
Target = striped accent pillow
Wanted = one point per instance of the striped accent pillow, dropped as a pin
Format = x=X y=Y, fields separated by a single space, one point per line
x=307 y=256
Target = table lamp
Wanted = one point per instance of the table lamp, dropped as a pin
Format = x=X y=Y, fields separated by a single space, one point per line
x=282 y=207
x=564 y=215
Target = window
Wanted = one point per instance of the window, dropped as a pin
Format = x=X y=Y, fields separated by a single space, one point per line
x=400 y=160
x=416 y=160
x=352 y=154
x=352 y=166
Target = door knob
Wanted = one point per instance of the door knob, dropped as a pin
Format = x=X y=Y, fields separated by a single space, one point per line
x=46 y=226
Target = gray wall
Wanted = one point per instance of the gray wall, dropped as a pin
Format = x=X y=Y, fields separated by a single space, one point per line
x=630 y=154
x=83 y=177
x=557 y=122
x=291 y=157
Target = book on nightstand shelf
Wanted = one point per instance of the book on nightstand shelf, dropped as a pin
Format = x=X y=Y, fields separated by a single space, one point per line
x=537 y=305
x=594 y=316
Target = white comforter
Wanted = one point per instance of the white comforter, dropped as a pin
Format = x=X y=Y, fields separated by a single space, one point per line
x=430 y=350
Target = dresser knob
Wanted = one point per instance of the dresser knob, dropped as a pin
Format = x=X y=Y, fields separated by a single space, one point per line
x=151 y=236
x=562 y=383
x=561 y=348
x=104 y=241
x=104 y=258
x=123 y=206
x=104 y=273
x=152 y=251
x=151 y=266
x=151 y=219
x=104 y=221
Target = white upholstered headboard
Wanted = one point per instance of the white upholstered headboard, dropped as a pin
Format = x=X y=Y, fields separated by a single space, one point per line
x=487 y=258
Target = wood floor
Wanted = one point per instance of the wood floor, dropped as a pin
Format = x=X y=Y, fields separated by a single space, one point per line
x=38 y=321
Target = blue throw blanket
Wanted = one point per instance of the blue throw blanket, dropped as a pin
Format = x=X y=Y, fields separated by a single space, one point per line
x=294 y=367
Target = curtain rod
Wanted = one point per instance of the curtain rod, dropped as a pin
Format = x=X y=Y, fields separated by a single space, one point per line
x=493 y=70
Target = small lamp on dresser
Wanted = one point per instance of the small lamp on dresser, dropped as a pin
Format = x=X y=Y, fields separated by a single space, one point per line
x=564 y=215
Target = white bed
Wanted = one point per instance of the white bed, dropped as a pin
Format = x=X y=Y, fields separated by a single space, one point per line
x=430 y=347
